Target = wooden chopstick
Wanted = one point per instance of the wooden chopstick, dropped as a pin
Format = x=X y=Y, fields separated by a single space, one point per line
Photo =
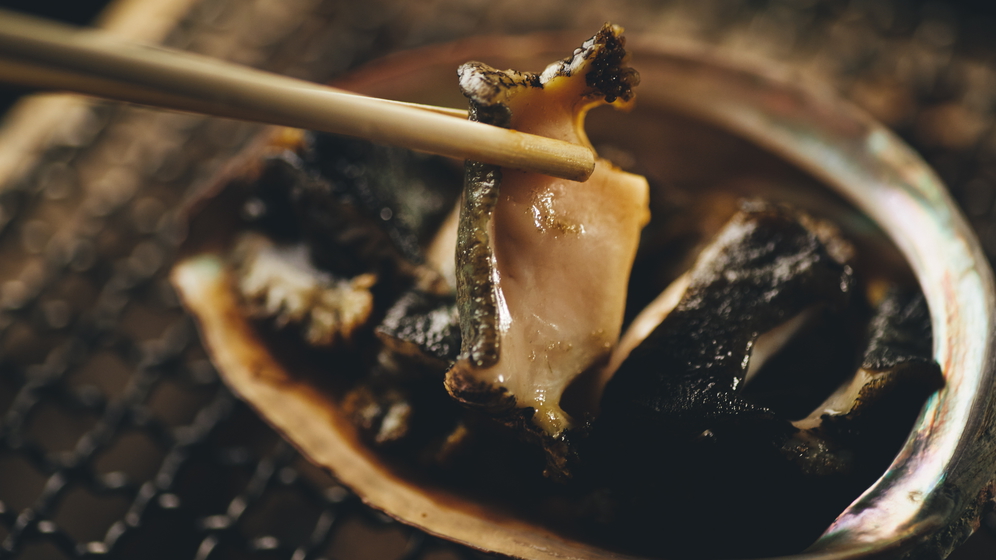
x=36 y=76
x=42 y=54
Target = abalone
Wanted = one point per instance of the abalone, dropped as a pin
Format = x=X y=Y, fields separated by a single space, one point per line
x=536 y=312
x=304 y=403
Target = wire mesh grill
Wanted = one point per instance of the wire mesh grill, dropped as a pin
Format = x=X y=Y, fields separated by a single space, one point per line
x=118 y=439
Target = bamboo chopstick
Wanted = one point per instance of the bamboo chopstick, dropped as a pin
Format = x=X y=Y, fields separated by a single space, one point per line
x=42 y=54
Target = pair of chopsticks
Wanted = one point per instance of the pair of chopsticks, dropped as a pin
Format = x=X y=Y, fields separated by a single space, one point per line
x=40 y=54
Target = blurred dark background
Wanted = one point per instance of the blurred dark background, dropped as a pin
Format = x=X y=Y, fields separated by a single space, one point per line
x=977 y=19
x=73 y=11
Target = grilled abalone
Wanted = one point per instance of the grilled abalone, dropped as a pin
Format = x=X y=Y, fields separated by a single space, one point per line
x=536 y=311
x=527 y=517
x=683 y=392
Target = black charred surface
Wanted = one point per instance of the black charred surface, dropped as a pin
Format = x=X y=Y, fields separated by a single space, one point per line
x=764 y=268
x=900 y=333
x=342 y=237
x=365 y=208
x=360 y=207
x=495 y=115
x=674 y=428
x=270 y=207
x=400 y=407
x=398 y=192
x=851 y=449
x=609 y=73
x=423 y=325
x=899 y=357
x=821 y=356
x=407 y=193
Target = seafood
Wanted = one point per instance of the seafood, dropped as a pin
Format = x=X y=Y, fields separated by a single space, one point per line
x=680 y=406
x=534 y=312
x=307 y=406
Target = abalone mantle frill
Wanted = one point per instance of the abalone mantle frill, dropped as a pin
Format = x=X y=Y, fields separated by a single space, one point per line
x=422 y=353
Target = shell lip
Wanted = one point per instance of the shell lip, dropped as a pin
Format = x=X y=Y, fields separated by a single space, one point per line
x=944 y=468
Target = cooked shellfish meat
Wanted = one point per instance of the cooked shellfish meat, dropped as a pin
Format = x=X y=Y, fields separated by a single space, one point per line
x=543 y=263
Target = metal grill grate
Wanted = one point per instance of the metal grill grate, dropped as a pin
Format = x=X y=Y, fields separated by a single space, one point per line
x=117 y=437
